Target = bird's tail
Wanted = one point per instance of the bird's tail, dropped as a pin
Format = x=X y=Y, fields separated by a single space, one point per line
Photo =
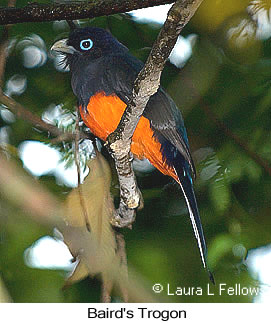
x=185 y=182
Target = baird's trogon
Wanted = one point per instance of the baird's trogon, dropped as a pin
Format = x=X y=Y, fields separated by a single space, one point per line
x=102 y=77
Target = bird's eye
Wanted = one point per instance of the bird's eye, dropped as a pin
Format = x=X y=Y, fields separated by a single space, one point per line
x=86 y=44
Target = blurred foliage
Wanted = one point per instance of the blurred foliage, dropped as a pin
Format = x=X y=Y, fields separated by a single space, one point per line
x=227 y=77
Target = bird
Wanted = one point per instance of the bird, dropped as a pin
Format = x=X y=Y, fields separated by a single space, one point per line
x=102 y=77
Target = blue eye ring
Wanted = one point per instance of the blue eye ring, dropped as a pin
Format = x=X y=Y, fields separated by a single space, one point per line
x=88 y=45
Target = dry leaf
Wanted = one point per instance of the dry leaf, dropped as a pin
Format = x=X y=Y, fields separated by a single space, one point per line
x=96 y=249
x=4 y=296
x=80 y=272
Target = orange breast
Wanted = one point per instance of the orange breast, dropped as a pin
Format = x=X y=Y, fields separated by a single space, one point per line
x=102 y=117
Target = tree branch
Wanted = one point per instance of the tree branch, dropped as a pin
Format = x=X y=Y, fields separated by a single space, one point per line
x=237 y=140
x=37 y=12
x=23 y=113
x=221 y=125
x=146 y=84
x=77 y=163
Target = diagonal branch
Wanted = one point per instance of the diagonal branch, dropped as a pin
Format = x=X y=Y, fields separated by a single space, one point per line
x=221 y=125
x=37 y=12
x=146 y=84
x=23 y=113
x=237 y=140
x=77 y=163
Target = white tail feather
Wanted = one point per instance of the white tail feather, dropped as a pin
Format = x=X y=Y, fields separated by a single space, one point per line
x=196 y=232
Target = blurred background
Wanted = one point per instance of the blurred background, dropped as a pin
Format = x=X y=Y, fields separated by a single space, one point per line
x=219 y=76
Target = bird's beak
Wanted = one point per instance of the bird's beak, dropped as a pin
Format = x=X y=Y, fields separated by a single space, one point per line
x=62 y=47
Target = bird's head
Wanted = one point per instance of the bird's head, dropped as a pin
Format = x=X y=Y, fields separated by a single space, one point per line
x=88 y=43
